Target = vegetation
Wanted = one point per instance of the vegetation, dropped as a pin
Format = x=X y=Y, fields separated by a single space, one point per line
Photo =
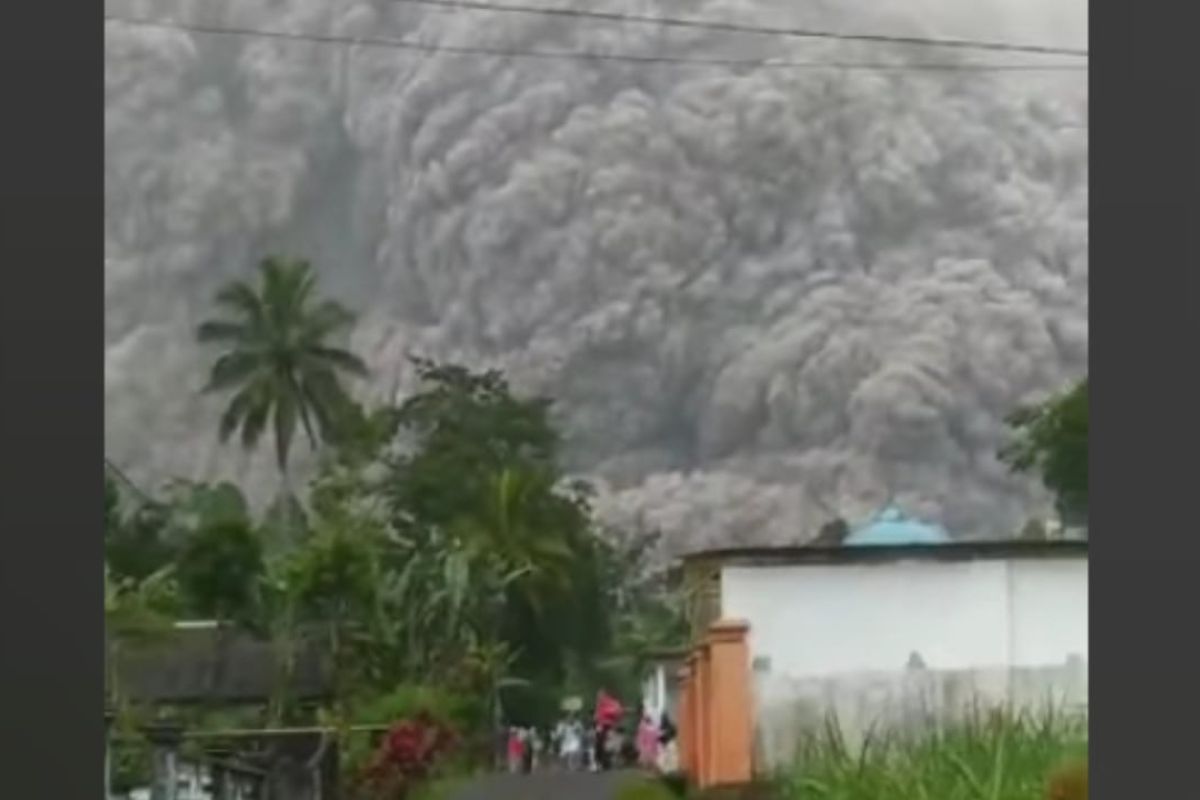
x=278 y=361
x=453 y=568
x=1051 y=439
x=645 y=789
x=992 y=757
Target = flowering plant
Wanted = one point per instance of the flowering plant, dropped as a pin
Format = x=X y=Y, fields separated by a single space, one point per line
x=409 y=753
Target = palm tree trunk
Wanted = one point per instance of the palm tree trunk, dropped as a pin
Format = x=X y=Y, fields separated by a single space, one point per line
x=291 y=516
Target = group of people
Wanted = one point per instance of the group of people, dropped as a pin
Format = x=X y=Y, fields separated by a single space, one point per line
x=608 y=742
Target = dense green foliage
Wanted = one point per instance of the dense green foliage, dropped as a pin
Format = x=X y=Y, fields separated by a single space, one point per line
x=440 y=544
x=134 y=545
x=1052 y=441
x=441 y=552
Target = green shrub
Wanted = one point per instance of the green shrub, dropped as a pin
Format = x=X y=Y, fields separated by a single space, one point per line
x=405 y=702
x=645 y=789
x=676 y=782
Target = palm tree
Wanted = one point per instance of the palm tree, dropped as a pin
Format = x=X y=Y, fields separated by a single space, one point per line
x=512 y=529
x=278 y=362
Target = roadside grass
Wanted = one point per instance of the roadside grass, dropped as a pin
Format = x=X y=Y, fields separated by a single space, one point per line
x=645 y=788
x=989 y=756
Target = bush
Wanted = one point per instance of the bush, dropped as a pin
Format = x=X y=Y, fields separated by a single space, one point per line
x=445 y=709
x=676 y=783
x=407 y=701
x=645 y=789
x=410 y=754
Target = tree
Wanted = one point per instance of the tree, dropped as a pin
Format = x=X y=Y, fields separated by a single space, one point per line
x=463 y=428
x=1051 y=439
x=278 y=361
x=334 y=577
x=488 y=529
x=219 y=570
x=645 y=607
x=135 y=541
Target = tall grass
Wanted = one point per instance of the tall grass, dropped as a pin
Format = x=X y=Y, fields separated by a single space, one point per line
x=987 y=756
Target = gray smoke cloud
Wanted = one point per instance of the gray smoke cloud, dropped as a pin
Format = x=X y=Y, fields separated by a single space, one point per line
x=760 y=295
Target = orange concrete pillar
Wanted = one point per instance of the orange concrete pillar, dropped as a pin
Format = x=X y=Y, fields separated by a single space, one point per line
x=703 y=745
x=685 y=732
x=693 y=715
x=729 y=722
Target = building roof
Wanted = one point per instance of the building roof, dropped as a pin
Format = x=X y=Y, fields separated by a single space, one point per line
x=951 y=550
x=890 y=527
x=193 y=664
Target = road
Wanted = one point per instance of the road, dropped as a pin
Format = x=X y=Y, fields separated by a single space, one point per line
x=550 y=785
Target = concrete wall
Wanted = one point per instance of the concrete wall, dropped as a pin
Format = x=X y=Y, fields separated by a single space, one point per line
x=839 y=639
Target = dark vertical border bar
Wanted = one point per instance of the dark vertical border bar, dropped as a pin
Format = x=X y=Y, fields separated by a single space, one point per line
x=1144 y=341
x=51 y=395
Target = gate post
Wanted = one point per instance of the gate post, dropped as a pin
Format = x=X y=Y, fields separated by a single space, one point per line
x=703 y=716
x=218 y=766
x=109 y=717
x=686 y=721
x=165 y=737
x=729 y=723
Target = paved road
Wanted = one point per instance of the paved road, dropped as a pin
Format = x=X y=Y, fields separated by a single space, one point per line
x=547 y=786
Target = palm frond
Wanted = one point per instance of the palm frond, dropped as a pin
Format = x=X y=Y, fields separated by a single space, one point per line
x=232 y=368
x=339 y=359
x=304 y=409
x=327 y=318
x=286 y=288
x=235 y=412
x=327 y=398
x=239 y=297
x=223 y=331
x=255 y=419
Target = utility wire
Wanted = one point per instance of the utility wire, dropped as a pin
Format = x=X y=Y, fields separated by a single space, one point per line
x=465 y=50
x=145 y=498
x=734 y=27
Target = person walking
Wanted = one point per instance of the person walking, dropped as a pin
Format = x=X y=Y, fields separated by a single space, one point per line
x=516 y=750
x=527 y=737
x=570 y=742
x=608 y=714
x=668 y=759
x=647 y=743
x=589 y=750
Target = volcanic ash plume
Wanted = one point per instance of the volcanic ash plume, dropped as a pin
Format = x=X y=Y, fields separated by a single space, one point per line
x=762 y=296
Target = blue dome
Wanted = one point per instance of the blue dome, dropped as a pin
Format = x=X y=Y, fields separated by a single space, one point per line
x=891 y=527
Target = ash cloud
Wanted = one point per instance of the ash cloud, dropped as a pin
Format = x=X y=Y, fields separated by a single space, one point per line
x=761 y=295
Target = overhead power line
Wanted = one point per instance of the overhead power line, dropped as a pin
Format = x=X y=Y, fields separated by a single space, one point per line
x=145 y=498
x=471 y=50
x=736 y=27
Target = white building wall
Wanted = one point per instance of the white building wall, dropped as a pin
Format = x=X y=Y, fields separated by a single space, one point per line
x=819 y=620
x=836 y=639
x=1049 y=610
